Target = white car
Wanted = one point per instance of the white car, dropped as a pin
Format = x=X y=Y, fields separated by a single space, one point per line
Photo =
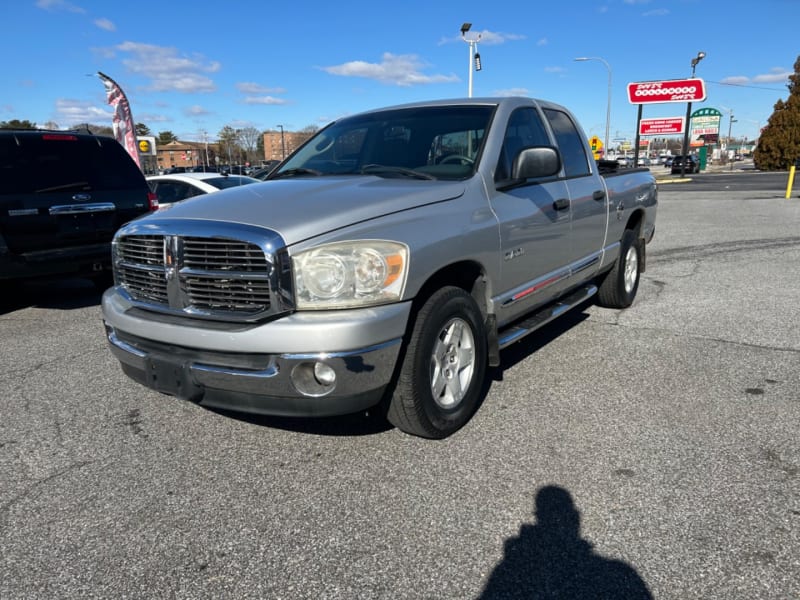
x=180 y=186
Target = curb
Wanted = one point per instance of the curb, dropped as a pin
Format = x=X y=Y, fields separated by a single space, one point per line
x=663 y=181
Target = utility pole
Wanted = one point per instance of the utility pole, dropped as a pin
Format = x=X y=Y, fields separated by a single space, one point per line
x=283 y=143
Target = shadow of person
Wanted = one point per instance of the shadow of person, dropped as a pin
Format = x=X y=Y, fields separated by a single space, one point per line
x=550 y=560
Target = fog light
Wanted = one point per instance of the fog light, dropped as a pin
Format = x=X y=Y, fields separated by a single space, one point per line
x=324 y=374
x=314 y=379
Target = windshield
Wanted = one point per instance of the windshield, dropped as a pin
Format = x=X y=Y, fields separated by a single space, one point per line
x=433 y=142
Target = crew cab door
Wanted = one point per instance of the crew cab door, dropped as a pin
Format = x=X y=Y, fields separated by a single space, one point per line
x=534 y=222
x=587 y=193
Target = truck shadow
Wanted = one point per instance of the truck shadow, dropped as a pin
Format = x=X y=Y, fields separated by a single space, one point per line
x=58 y=294
x=353 y=425
x=549 y=559
x=373 y=421
x=522 y=349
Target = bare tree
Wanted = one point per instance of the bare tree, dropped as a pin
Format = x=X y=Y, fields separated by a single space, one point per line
x=248 y=139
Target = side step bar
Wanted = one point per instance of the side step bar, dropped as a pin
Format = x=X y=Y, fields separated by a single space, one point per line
x=543 y=316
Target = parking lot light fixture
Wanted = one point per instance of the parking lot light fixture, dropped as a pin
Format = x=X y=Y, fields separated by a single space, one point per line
x=608 y=103
x=700 y=56
x=474 y=58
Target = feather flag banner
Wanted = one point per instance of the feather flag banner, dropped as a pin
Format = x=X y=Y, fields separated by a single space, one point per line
x=124 y=131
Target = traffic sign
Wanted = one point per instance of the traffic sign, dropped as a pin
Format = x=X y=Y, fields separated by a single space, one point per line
x=596 y=145
x=663 y=126
x=672 y=90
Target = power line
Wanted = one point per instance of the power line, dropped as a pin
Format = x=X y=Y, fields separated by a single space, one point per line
x=754 y=87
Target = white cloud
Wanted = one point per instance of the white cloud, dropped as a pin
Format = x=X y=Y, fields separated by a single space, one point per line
x=658 y=12
x=542 y=42
x=736 y=80
x=512 y=92
x=490 y=38
x=247 y=87
x=169 y=71
x=105 y=24
x=776 y=75
x=74 y=112
x=268 y=100
x=56 y=5
x=196 y=111
x=402 y=70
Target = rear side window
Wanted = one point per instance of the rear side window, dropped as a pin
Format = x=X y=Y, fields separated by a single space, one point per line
x=42 y=163
x=570 y=143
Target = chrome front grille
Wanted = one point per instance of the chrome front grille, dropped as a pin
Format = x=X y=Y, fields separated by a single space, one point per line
x=222 y=255
x=206 y=277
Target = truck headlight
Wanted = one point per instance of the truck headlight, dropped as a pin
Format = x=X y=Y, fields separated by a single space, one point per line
x=350 y=274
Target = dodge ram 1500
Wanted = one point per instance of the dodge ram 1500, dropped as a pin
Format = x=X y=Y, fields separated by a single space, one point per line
x=385 y=263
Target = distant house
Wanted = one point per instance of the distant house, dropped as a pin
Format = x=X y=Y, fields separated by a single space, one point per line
x=185 y=154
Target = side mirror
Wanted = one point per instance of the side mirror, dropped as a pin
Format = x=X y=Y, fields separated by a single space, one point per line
x=540 y=161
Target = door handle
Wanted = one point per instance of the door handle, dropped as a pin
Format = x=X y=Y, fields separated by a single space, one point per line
x=598 y=195
x=561 y=204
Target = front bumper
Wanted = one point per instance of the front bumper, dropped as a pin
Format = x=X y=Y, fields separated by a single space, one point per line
x=242 y=368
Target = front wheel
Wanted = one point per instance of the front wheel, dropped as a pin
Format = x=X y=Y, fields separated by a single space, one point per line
x=618 y=288
x=442 y=372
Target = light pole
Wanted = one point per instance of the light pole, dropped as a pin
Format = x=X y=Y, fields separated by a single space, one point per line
x=474 y=57
x=205 y=141
x=731 y=121
x=283 y=143
x=608 y=104
x=700 y=56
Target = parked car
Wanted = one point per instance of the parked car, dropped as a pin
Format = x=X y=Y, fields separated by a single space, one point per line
x=62 y=197
x=181 y=186
x=624 y=161
x=262 y=172
x=692 y=164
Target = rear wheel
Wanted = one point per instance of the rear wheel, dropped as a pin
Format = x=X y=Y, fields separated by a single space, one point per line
x=442 y=372
x=618 y=288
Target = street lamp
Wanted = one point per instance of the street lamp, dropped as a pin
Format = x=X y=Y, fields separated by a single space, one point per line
x=608 y=104
x=731 y=121
x=474 y=57
x=700 y=56
x=283 y=142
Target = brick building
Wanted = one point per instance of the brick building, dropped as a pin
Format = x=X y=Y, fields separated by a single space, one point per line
x=280 y=144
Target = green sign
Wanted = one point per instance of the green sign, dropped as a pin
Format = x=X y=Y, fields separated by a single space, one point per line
x=706 y=112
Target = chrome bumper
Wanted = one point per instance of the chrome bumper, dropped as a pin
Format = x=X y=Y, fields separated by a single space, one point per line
x=319 y=384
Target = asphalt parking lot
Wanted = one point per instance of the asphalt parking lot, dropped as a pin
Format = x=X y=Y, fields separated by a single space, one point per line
x=651 y=452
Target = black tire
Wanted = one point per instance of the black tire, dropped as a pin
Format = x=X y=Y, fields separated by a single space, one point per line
x=440 y=381
x=618 y=288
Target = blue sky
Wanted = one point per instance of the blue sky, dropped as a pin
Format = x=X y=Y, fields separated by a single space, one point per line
x=190 y=67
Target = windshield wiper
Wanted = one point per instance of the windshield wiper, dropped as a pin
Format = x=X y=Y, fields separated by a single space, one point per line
x=375 y=169
x=80 y=185
x=294 y=173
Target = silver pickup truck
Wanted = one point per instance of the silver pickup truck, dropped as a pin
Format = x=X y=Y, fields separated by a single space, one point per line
x=384 y=265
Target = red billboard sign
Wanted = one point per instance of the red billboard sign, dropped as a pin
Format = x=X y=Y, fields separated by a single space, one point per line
x=665 y=126
x=672 y=90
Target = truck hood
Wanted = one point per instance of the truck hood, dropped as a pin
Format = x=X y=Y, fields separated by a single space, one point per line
x=298 y=209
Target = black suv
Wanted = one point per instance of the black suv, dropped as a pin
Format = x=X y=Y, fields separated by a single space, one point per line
x=692 y=164
x=63 y=195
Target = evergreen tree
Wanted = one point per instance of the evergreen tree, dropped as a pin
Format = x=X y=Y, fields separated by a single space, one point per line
x=17 y=124
x=779 y=143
